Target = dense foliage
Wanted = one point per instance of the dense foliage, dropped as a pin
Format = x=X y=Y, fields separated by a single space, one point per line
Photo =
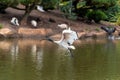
x=7 y=3
x=29 y=5
x=67 y=8
x=96 y=10
x=49 y=4
x=96 y=15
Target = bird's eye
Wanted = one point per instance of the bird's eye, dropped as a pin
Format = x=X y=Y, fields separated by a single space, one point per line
x=68 y=43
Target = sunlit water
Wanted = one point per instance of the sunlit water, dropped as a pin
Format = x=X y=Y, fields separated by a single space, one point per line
x=43 y=60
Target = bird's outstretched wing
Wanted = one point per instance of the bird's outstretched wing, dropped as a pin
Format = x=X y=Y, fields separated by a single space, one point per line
x=69 y=36
x=104 y=28
x=109 y=30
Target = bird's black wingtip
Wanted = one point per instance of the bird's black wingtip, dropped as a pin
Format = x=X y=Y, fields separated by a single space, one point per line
x=49 y=39
x=102 y=27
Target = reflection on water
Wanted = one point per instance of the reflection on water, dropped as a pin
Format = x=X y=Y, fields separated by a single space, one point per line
x=42 y=60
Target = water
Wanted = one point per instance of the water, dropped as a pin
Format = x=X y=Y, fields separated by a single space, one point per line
x=42 y=60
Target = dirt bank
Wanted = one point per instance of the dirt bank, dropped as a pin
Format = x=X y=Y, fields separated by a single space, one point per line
x=47 y=25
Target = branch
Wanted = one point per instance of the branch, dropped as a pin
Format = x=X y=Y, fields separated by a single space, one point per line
x=18 y=8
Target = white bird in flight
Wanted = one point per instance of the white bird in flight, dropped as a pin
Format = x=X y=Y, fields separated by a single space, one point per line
x=67 y=39
x=14 y=21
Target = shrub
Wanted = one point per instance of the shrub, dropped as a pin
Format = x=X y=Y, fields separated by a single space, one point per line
x=96 y=15
x=113 y=13
x=1 y=26
x=2 y=8
x=67 y=8
x=7 y=3
x=118 y=21
x=49 y=4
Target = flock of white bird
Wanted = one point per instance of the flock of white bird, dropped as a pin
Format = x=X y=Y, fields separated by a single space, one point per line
x=68 y=36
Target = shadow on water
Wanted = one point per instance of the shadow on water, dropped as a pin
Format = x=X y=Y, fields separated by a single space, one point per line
x=27 y=59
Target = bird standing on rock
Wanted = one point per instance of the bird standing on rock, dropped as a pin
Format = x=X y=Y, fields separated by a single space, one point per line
x=40 y=8
x=34 y=23
x=14 y=21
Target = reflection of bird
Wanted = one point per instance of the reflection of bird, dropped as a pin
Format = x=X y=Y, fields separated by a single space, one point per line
x=14 y=21
x=110 y=31
x=67 y=39
x=40 y=8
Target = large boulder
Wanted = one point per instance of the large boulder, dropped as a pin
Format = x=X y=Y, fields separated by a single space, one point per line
x=7 y=33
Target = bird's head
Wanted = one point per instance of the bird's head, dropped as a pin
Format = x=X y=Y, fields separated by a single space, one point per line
x=63 y=26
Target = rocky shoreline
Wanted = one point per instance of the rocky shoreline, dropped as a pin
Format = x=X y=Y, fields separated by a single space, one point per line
x=47 y=28
x=42 y=33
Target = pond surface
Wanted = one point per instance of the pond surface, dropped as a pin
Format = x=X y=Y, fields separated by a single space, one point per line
x=42 y=60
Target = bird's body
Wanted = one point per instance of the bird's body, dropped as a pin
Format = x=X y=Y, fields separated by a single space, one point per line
x=40 y=8
x=66 y=45
x=67 y=39
x=34 y=23
x=14 y=21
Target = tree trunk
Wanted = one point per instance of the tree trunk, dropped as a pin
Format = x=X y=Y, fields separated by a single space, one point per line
x=24 y=18
x=2 y=8
x=26 y=14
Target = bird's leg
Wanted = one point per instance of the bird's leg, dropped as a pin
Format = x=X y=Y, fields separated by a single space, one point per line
x=70 y=52
x=67 y=51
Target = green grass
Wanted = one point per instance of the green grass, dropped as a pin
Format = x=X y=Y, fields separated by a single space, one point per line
x=1 y=26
